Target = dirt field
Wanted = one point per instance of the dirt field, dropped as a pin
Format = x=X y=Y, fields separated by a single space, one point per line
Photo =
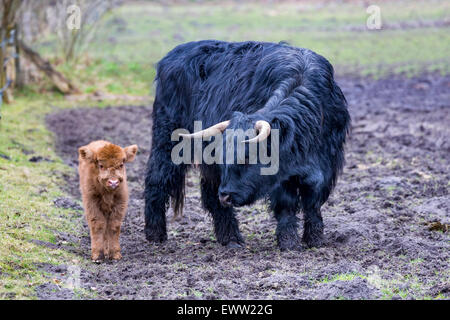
x=386 y=224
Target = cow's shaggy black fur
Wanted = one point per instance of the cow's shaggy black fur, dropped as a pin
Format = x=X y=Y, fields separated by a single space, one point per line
x=291 y=88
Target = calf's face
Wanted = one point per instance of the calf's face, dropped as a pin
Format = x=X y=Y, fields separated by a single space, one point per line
x=109 y=163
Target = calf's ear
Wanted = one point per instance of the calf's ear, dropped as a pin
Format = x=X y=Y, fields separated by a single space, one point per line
x=131 y=152
x=86 y=153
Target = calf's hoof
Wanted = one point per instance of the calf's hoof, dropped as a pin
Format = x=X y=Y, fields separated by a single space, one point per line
x=97 y=257
x=115 y=256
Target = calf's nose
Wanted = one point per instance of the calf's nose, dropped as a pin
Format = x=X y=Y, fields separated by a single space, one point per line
x=225 y=199
x=113 y=183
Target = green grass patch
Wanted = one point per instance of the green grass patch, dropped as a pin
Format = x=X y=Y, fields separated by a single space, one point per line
x=341 y=277
x=134 y=37
x=26 y=198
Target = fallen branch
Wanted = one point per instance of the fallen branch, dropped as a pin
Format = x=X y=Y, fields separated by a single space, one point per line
x=61 y=82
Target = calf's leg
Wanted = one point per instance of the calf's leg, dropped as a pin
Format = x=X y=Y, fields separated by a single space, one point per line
x=113 y=235
x=97 y=228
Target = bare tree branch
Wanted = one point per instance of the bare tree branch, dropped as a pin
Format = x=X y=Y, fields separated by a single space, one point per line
x=61 y=82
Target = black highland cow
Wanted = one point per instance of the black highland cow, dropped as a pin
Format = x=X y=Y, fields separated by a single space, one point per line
x=241 y=86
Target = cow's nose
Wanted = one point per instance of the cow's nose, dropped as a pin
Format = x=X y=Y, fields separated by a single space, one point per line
x=113 y=183
x=225 y=199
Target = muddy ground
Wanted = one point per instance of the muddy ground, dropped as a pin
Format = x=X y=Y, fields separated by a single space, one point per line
x=385 y=224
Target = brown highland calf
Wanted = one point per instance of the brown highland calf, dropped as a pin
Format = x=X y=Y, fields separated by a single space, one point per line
x=103 y=184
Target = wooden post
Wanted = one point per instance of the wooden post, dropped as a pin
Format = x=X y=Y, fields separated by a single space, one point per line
x=19 y=76
x=10 y=68
x=3 y=51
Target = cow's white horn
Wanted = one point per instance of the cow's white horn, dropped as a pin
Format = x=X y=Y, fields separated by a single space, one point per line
x=263 y=128
x=208 y=132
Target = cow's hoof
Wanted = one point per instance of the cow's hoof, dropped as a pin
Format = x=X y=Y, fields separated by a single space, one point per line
x=313 y=241
x=234 y=245
x=290 y=246
x=313 y=235
x=155 y=237
x=289 y=242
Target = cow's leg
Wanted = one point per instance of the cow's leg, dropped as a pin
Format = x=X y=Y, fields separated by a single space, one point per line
x=313 y=194
x=226 y=226
x=162 y=180
x=163 y=177
x=285 y=202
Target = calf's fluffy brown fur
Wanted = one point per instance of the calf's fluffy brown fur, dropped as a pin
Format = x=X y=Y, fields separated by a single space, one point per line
x=103 y=184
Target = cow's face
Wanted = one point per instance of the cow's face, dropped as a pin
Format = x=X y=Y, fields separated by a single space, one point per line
x=247 y=174
x=109 y=163
x=242 y=184
x=242 y=179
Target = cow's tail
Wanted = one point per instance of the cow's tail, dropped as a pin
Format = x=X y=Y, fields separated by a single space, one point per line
x=177 y=200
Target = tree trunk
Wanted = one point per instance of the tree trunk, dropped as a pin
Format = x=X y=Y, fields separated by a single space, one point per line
x=7 y=68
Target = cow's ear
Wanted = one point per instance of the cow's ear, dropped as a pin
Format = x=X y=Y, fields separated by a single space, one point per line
x=131 y=152
x=86 y=153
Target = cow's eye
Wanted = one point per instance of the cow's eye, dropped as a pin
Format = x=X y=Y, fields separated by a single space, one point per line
x=121 y=166
x=100 y=166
